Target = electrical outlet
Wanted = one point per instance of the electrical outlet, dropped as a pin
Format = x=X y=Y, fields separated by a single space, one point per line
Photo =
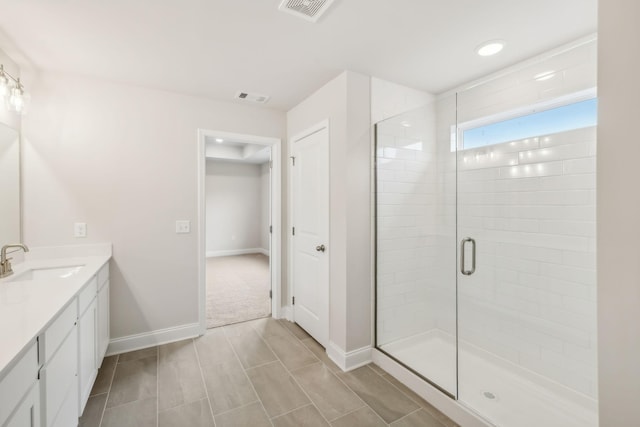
x=183 y=226
x=80 y=229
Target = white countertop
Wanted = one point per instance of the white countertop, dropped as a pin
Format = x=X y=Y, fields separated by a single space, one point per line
x=28 y=307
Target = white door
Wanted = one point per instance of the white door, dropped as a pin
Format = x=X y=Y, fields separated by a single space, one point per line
x=310 y=233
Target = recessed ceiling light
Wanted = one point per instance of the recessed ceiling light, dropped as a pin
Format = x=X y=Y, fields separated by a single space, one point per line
x=490 y=48
x=219 y=140
x=545 y=75
x=405 y=124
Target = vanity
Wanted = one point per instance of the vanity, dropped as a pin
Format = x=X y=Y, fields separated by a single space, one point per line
x=54 y=310
x=54 y=333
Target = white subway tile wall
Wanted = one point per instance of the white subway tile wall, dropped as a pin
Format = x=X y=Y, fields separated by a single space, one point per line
x=407 y=241
x=532 y=299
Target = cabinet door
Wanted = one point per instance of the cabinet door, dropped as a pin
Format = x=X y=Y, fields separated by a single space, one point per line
x=28 y=413
x=103 y=322
x=87 y=346
x=60 y=376
x=68 y=414
x=17 y=382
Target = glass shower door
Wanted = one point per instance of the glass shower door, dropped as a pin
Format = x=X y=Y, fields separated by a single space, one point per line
x=525 y=149
x=415 y=243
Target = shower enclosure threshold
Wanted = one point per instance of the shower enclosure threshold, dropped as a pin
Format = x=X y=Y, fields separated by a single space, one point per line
x=505 y=394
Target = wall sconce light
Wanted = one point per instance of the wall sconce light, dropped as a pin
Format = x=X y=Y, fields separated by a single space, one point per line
x=12 y=92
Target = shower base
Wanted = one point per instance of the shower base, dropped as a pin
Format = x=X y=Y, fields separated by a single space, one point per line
x=498 y=391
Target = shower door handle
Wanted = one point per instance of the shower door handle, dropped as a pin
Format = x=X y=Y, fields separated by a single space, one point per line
x=463 y=244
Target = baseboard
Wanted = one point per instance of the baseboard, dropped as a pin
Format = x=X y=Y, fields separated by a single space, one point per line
x=153 y=338
x=350 y=360
x=431 y=394
x=286 y=312
x=231 y=252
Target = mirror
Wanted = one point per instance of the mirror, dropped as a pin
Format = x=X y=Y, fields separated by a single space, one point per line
x=10 y=228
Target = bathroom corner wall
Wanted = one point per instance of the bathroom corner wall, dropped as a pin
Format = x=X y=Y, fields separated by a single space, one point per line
x=345 y=102
x=124 y=160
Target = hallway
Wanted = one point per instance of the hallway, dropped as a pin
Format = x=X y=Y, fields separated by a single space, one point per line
x=264 y=372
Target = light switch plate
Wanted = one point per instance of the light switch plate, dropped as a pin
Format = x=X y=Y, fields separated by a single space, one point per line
x=80 y=229
x=183 y=226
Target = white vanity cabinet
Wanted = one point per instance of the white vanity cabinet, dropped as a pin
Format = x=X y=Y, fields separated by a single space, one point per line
x=69 y=373
x=93 y=332
x=20 y=392
x=49 y=360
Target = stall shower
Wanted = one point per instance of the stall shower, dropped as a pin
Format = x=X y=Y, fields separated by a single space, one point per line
x=485 y=241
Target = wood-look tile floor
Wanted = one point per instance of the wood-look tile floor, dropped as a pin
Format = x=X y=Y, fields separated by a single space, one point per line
x=264 y=372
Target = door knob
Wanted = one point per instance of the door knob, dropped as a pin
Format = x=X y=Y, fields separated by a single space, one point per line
x=320 y=248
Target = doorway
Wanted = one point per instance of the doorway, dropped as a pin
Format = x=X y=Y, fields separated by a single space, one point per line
x=239 y=225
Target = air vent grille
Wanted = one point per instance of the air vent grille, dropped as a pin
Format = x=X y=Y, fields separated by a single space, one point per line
x=252 y=97
x=311 y=10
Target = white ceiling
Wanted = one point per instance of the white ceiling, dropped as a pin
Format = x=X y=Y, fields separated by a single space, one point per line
x=217 y=47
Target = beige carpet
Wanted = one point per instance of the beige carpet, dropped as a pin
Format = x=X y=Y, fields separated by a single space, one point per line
x=237 y=289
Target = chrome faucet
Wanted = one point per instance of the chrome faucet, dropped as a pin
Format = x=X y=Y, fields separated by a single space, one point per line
x=5 y=263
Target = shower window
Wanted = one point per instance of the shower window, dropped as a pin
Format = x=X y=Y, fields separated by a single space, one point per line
x=559 y=115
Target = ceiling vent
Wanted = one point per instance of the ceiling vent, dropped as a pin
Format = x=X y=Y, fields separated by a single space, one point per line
x=256 y=98
x=310 y=10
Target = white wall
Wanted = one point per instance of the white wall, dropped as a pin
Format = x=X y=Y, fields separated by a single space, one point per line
x=123 y=159
x=345 y=102
x=234 y=207
x=389 y=99
x=618 y=213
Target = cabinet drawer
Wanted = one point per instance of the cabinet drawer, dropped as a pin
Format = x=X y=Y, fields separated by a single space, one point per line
x=87 y=294
x=59 y=329
x=18 y=381
x=103 y=275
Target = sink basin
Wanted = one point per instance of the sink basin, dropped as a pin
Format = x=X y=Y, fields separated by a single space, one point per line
x=47 y=273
